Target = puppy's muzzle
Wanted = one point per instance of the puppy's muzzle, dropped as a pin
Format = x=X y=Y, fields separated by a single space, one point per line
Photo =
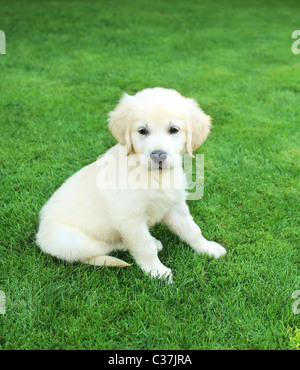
x=158 y=156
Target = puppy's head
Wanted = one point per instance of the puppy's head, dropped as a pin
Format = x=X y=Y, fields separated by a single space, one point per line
x=159 y=124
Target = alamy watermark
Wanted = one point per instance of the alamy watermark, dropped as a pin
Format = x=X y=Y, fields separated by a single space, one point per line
x=295 y=308
x=296 y=44
x=2 y=43
x=2 y=303
x=138 y=171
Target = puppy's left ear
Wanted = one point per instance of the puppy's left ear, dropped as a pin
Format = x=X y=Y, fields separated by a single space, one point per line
x=198 y=126
x=118 y=121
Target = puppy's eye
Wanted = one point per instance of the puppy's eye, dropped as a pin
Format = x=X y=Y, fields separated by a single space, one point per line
x=143 y=131
x=173 y=130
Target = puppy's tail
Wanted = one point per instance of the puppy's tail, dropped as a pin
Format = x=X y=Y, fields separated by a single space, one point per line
x=105 y=261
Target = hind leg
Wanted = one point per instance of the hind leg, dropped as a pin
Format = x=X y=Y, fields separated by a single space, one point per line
x=69 y=243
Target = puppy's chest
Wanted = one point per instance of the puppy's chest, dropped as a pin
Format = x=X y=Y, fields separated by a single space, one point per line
x=158 y=204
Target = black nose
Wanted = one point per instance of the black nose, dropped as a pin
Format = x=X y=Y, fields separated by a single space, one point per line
x=158 y=156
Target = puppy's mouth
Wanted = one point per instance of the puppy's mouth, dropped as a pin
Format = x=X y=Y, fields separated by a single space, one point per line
x=159 y=166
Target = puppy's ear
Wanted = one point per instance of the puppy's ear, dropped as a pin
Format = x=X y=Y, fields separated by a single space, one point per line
x=118 y=121
x=198 y=126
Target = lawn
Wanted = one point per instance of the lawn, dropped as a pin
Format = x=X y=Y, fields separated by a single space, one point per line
x=66 y=65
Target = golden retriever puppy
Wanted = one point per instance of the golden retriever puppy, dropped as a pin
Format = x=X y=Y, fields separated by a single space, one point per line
x=111 y=203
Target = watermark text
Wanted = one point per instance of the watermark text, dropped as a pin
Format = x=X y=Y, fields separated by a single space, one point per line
x=2 y=43
x=139 y=172
x=296 y=44
x=296 y=304
x=2 y=302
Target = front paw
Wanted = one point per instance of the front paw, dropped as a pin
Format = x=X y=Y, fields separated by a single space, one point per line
x=213 y=249
x=164 y=273
x=161 y=272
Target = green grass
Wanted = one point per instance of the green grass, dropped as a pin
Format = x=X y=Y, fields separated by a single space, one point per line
x=66 y=65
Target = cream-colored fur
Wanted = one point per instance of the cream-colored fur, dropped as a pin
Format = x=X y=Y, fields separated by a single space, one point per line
x=85 y=220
